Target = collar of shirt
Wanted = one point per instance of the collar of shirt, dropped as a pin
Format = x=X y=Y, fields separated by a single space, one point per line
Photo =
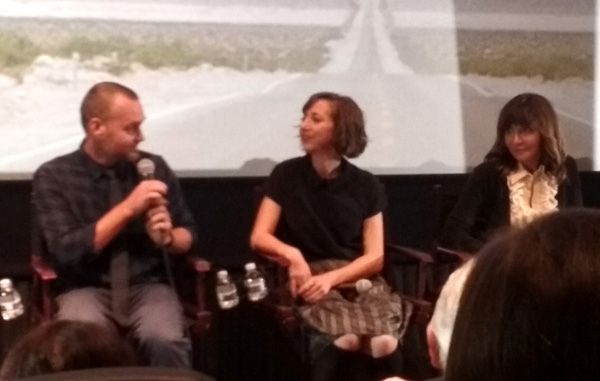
x=314 y=180
x=98 y=171
x=522 y=175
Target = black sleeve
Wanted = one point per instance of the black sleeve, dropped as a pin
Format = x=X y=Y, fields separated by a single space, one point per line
x=376 y=197
x=274 y=186
x=69 y=240
x=458 y=230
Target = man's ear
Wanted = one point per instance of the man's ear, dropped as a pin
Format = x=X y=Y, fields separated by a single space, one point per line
x=95 y=126
x=433 y=348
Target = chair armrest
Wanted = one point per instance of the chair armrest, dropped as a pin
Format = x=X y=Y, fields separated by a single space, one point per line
x=422 y=311
x=400 y=254
x=462 y=256
x=199 y=313
x=42 y=294
x=42 y=269
x=198 y=264
x=280 y=302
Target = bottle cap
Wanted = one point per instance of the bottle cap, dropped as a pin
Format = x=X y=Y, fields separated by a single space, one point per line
x=250 y=266
x=6 y=283
x=222 y=274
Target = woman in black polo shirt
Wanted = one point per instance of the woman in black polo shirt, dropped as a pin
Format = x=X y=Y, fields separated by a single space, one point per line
x=321 y=216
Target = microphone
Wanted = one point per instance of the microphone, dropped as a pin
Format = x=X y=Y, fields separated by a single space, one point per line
x=360 y=286
x=363 y=285
x=145 y=168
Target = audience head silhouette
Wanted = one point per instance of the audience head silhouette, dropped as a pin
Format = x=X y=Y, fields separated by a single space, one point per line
x=63 y=345
x=439 y=330
x=530 y=309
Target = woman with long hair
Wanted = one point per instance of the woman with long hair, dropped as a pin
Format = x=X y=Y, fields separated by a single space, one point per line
x=526 y=174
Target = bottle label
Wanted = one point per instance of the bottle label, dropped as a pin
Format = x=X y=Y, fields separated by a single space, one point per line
x=227 y=296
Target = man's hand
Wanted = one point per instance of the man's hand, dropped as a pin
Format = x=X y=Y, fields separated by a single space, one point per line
x=159 y=226
x=147 y=194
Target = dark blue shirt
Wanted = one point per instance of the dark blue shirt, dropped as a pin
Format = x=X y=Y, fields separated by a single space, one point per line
x=71 y=193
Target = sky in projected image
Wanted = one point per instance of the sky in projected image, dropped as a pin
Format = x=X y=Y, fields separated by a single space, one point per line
x=223 y=82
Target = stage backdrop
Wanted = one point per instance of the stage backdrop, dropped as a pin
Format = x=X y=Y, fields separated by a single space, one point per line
x=223 y=81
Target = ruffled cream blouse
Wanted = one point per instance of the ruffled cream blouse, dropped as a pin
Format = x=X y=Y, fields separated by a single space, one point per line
x=531 y=195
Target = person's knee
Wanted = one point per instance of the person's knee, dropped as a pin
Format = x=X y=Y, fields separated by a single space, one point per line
x=348 y=342
x=157 y=315
x=86 y=304
x=158 y=326
x=159 y=352
x=167 y=332
x=169 y=329
x=383 y=345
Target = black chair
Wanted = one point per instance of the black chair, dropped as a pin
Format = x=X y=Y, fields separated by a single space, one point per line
x=446 y=259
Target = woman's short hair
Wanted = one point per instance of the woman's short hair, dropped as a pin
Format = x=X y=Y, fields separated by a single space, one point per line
x=536 y=112
x=349 y=137
x=63 y=345
x=530 y=309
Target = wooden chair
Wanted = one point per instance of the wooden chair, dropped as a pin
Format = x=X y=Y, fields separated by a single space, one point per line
x=446 y=259
x=43 y=301
x=398 y=260
x=44 y=306
x=42 y=298
x=406 y=270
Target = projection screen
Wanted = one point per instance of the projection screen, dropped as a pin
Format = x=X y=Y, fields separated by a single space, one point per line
x=222 y=83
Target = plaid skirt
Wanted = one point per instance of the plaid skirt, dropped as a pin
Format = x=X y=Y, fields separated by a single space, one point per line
x=375 y=312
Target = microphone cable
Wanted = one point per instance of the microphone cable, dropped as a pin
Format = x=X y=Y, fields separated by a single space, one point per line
x=171 y=281
x=146 y=168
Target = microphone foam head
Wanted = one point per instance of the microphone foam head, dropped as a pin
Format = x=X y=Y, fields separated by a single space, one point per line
x=145 y=168
x=363 y=285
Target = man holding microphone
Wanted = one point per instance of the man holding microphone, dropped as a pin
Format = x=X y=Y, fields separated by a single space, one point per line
x=107 y=213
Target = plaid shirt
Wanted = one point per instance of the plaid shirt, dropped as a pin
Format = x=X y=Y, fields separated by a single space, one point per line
x=71 y=193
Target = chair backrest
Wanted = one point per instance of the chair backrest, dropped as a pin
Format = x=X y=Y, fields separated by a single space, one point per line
x=124 y=374
x=446 y=260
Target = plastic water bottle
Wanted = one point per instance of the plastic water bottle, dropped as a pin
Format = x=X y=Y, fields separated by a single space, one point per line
x=11 y=305
x=227 y=294
x=255 y=283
